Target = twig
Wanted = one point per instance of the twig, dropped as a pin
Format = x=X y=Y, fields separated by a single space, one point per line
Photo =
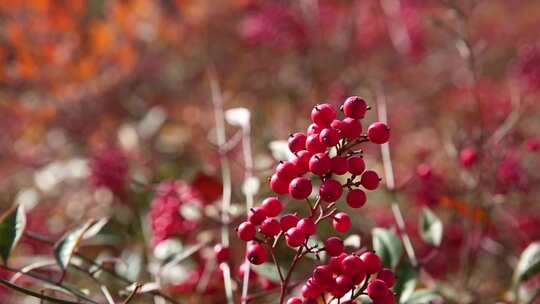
x=217 y=101
x=390 y=181
x=35 y=294
x=133 y=293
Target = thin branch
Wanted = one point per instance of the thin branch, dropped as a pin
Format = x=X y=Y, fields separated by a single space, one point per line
x=35 y=294
x=217 y=101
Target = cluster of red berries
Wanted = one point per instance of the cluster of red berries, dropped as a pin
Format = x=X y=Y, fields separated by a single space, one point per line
x=344 y=273
x=326 y=150
x=165 y=217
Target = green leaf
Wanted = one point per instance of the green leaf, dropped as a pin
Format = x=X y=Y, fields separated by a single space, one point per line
x=269 y=271
x=529 y=263
x=12 y=224
x=69 y=243
x=388 y=246
x=423 y=296
x=431 y=228
x=406 y=281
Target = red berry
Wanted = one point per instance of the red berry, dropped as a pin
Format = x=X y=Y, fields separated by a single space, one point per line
x=356 y=198
x=300 y=188
x=314 y=129
x=246 y=231
x=334 y=246
x=389 y=298
x=330 y=190
x=222 y=253
x=355 y=107
x=339 y=165
x=288 y=221
x=295 y=300
x=322 y=275
x=424 y=171
x=297 y=142
x=270 y=227
x=467 y=157
x=320 y=164
x=343 y=282
x=256 y=216
x=307 y=226
x=329 y=137
x=271 y=206
x=294 y=237
x=314 y=145
x=310 y=291
x=278 y=186
x=371 y=261
x=378 y=133
x=356 y=165
x=351 y=128
x=335 y=263
x=341 y=222
x=256 y=254
x=377 y=289
x=286 y=171
x=370 y=180
x=339 y=126
x=323 y=114
x=301 y=161
x=387 y=275
x=353 y=266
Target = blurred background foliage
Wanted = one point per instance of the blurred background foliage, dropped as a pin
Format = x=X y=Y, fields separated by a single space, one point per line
x=100 y=100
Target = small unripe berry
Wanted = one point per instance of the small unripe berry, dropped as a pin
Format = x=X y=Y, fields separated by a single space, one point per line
x=271 y=206
x=288 y=221
x=297 y=142
x=370 y=180
x=371 y=261
x=323 y=114
x=320 y=164
x=270 y=227
x=387 y=276
x=294 y=237
x=352 y=128
x=279 y=186
x=353 y=266
x=314 y=145
x=467 y=157
x=301 y=161
x=322 y=275
x=356 y=164
x=295 y=300
x=378 y=133
x=356 y=198
x=256 y=216
x=355 y=107
x=307 y=226
x=256 y=254
x=286 y=171
x=341 y=222
x=339 y=165
x=300 y=188
x=377 y=289
x=329 y=137
x=246 y=231
x=222 y=253
x=314 y=129
x=330 y=190
x=334 y=246
x=343 y=282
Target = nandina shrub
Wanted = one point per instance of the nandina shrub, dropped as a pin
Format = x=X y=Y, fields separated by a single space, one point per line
x=329 y=154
